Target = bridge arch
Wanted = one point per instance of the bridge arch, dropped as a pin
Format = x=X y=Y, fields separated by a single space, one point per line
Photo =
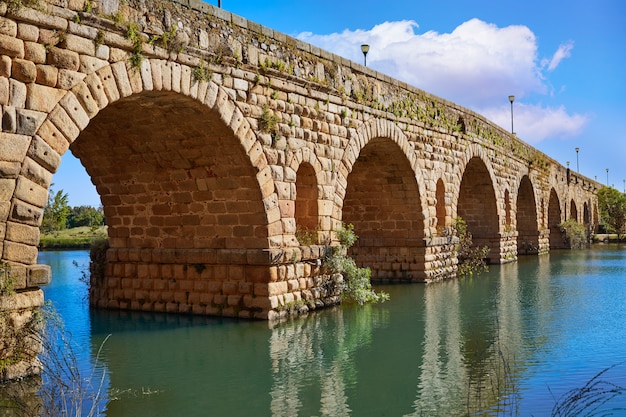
x=526 y=218
x=476 y=201
x=383 y=200
x=573 y=211
x=312 y=211
x=183 y=200
x=554 y=221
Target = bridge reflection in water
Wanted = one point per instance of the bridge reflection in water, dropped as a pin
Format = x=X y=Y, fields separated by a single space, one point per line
x=499 y=343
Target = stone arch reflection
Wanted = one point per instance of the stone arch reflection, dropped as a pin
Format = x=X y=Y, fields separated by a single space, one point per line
x=306 y=382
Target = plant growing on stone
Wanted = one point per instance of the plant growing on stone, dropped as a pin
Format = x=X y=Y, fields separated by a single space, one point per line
x=201 y=73
x=268 y=123
x=133 y=34
x=356 y=285
x=471 y=258
x=574 y=233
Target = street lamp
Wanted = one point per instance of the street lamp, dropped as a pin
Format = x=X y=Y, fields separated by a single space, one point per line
x=577 y=169
x=365 y=48
x=607 y=177
x=512 y=99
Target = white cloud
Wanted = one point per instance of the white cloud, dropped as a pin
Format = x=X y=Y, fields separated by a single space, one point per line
x=477 y=65
x=534 y=123
x=563 y=52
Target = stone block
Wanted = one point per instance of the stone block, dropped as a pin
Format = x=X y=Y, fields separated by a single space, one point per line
x=53 y=137
x=89 y=64
x=97 y=90
x=80 y=45
x=27 y=32
x=9 y=119
x=13 y=147
x=62 y=58
x=7 y=187
x=43 y=98
x=31 y=192
x=8 y=27
x=5 y=73
x=17 y=93
x=64 y=123
x=29 y=121
x=75 y=110
x=67 y=79
x=23 y=70
x=36 y=173
x=86 y=99
x=35 y=52
x=22 y=233
x=11 y=46
x=47 y=75
x=26 y=213
x=18 y=252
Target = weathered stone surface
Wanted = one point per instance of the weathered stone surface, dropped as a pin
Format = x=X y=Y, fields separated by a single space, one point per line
x=35 y=52
x=8 y=27
x=29 y=121
x=21 y=233
x=5 y=71
x=47 y=75
x=13 y=147
x=43 y=98
x=11 y=46
x=63 y=59
x=38 y=275
x=24 y=70
x=17 y=93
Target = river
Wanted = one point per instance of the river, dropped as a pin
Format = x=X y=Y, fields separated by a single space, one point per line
x=512 y=341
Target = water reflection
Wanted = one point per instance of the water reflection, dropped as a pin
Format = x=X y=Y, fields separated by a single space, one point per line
x=507 y=341
x=304 y=360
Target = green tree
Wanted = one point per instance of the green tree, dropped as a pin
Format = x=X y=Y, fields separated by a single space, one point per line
x=85 y=216
x=612 y=207
x=56 y=212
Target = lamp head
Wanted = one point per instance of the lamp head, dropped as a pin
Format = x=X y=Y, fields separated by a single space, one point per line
x=511 y=99
x=365 y=48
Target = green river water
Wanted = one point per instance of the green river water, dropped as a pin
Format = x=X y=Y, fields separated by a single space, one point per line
x=508 y=342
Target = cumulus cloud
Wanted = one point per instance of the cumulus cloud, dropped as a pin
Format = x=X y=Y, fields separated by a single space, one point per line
x=477 y=65
x=534 y=122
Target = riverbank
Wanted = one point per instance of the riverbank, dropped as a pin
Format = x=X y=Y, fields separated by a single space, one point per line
x=75 y=238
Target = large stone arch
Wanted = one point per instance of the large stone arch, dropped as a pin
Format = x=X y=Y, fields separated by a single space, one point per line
x=554 y=220
x=195 y=203
x=383 y=200
x=476 y=201
x=526 y=218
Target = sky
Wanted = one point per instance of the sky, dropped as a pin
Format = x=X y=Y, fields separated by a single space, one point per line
x=564 y=61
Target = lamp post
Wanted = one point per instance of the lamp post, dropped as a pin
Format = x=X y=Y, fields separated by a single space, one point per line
x=512 y=99
x=577 y=168
x=607 y=177
x=365 y=48
x=219 y=3
x=624 y=186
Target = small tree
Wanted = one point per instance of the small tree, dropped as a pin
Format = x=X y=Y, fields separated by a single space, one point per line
x=356 y=286
x=471 y=258
x=56 y=212
x=612 y=207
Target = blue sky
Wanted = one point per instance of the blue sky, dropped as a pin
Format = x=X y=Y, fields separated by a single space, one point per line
x=565 y=62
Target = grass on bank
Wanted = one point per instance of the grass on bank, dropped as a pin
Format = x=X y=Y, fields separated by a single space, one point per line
x=75 y=238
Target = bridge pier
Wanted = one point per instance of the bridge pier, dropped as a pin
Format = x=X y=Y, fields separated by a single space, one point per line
x=245 y=283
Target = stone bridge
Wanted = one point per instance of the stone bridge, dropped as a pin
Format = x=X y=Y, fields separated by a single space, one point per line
x=226 y=155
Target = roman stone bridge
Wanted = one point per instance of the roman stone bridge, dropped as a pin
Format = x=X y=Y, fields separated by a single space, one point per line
x=226 y=155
